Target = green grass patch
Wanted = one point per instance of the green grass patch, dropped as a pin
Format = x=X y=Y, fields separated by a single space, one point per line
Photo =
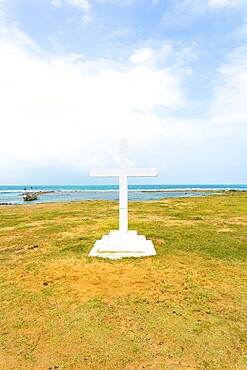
x=184 y=308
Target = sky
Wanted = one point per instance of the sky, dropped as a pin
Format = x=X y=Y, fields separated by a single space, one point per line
x=78 y=75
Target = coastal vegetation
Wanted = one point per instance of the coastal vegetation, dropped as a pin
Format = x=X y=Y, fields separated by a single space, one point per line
x=184 y=308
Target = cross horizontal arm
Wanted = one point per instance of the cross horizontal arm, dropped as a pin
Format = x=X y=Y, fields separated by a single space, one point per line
x=104 y=172
x=142 y=172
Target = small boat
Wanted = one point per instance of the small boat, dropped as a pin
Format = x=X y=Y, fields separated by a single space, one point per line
x=29 y=196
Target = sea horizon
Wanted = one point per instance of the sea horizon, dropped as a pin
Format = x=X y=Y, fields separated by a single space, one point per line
x=12 y=194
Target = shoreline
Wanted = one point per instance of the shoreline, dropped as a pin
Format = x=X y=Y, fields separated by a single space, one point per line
x=187 y=194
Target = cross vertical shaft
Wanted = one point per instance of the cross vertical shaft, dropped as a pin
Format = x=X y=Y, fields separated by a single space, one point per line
x=123 y=172
x=123 y=186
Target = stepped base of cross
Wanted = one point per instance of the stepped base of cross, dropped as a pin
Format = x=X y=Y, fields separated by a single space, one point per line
x=119 y=244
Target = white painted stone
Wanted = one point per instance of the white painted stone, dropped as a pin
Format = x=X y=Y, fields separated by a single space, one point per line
x=119 y=245
x=123 y=243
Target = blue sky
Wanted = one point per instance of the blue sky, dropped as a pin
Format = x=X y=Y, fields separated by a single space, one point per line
x=77 y=75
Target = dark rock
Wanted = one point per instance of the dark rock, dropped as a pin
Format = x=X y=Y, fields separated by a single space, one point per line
x=33 y=247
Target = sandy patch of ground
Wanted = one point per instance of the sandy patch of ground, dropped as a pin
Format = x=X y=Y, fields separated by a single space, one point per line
x=80 y=281
x=224 y=230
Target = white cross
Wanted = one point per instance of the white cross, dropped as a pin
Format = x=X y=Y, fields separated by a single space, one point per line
x=123 y=172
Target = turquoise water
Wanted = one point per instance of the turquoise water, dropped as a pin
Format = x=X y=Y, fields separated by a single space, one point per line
x=66 y=193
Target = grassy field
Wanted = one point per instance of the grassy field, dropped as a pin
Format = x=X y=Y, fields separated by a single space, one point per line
x=186 y=308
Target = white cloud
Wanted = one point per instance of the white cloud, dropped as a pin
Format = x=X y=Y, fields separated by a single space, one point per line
x=121 y=2
x=57 y=111
x=57 y=3
x=143 y=56
x=218 y=4
x=230 y=92
x=151 y=57
x=194 y=6
x=83 y=5
x=121 y=32
x=198 y=7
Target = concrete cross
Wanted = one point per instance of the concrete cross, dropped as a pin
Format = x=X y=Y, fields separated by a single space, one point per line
x=123 y=172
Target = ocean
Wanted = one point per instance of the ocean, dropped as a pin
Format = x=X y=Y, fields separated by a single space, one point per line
x=67 y=193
